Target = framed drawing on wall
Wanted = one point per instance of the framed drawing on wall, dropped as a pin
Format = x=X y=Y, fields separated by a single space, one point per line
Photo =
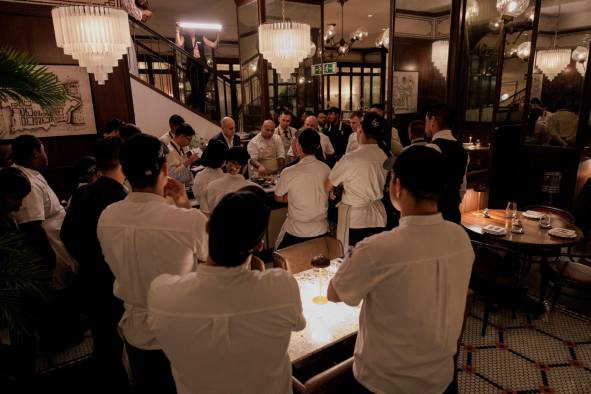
x=406 y=91
x=74 y=117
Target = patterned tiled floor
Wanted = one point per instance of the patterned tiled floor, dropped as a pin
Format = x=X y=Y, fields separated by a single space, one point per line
x=551 y=354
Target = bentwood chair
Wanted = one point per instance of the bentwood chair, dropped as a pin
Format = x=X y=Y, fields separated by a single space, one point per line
x=296 y=258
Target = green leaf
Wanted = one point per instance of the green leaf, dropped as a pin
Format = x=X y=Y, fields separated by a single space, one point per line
x=21 y=78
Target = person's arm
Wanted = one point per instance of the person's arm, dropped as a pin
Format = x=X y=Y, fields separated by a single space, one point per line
x=254 y=156
x=134 y=11
x=177 y=192
x=281 y=189
x=212 y=44
x=180 y=40
x=332 y=294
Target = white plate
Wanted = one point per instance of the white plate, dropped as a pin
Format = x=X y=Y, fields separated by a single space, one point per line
x=532 y=215
x=562 y=233
x=494 y=230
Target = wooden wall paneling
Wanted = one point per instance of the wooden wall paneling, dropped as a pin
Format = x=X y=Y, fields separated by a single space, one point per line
x=29 y=28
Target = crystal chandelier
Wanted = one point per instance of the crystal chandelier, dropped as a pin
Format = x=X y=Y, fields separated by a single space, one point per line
x=284 y=44
x=553 y=61
x=96 y=36
x=383 y=39
x=439 y=54
x=512 y=8
x=524 y=50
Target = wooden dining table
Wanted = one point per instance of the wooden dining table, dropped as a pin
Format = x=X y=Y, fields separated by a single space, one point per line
x=534 y=241
x=326 y=324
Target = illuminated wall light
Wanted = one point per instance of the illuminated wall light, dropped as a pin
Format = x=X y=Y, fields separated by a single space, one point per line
x=200 y=26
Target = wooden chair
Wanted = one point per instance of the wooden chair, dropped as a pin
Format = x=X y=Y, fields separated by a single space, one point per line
x=570 y=276
x=256 y=264
x=334 y=380
x=296 y=258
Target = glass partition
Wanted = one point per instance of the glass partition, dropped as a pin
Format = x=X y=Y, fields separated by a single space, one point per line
x=561 y=58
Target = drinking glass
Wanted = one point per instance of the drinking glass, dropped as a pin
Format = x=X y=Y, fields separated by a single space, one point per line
x=545 y=221
x=514 y=210
x=320 y=263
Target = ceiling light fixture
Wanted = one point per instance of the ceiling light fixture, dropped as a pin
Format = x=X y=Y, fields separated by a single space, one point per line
x=284 y=44
x=200 y=26
x=581 y=56
x=343 y=46
x=96 y=36
x=524 y=50
x=553 y=61
x=439 y=56
x=512 y=8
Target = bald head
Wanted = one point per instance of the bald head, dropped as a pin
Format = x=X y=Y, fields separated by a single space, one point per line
x=311 y=122
x=228 y=127
x=268 y=129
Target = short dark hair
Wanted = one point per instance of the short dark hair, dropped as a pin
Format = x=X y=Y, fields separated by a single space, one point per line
x=417 y=128
x=24 y=148
x=334 y=110
x=309 y=140
x=379 y=106
x=85 y=168
x=14 y=181
x=214 y=154
x=128 y=130
x=184 y=129
x=142 y=158
x=106 y=153
x=113 y=124
x=238 y=155
x=420 y=170
x=176 y=120
x=373 y=126
x=285 y=112
x=323 y=111
x=357 y=114
x=231 y=241
x=444 y=114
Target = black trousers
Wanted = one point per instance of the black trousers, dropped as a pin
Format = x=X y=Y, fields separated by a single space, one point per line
x=289 y=240
x=151 y=371
x=359 y=234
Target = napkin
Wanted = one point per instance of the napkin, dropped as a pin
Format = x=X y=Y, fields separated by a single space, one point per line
x=494 y=230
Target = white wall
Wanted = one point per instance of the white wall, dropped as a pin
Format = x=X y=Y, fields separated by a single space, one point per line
x=152 y=111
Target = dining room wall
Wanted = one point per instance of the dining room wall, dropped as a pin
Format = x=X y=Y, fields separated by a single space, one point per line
x=29 y=28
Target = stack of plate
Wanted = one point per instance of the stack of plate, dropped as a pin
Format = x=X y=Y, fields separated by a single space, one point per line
x=563 y=233
x=535 y=215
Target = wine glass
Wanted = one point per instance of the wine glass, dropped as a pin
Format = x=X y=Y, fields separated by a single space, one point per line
x=545 y=221
x=514 y=210
x=320 y=263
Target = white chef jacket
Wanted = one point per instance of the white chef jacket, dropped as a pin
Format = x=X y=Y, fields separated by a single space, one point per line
x=204 y=178
x=325 y=145
x=42 y=204
x=142 y=237
x=176 y=164
x=166 y=138
x=227 y=330
x=305 y=185
x=363 y=177
x=352 y=143
x=413 y=281
x=267 y=151
x=563 y=124
x=218 y=189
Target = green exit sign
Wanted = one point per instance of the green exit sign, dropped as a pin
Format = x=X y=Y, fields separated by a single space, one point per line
x=324 y=69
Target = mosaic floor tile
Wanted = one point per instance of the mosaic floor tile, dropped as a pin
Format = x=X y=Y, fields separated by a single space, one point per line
x=583 y=353
x=472 y=333
x=569 y=380
x=537 y=346
x=472 y=384
x=508 y=370
x=564 y=326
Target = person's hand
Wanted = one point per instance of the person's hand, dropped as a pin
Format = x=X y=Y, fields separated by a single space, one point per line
x=146 y=14
x=176 y=190
x=193 y=158
x=262 y=170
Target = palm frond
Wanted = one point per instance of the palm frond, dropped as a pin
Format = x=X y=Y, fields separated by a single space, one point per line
x=21 y=78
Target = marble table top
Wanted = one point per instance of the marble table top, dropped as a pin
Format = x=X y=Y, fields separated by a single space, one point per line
x=326 y=324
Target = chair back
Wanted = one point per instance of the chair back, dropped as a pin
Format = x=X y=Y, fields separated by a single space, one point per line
x=256 y=264
x=296 y=258
x=561 y=213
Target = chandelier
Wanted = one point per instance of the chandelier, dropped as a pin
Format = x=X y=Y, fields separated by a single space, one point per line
x=512 y=8
x=553 y=61
x=284 y=44
x=343 y=46
x=524 y=50
x=96 y=36
x=439 y=54
x=580 y=56
x=383 y=39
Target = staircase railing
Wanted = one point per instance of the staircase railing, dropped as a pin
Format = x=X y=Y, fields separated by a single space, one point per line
x=176 y=73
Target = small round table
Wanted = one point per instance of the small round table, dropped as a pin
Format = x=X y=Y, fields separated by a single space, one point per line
x=535 y=241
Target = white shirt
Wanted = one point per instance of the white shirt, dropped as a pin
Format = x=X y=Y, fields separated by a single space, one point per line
x=305 y=185
x=563 y=124
x=218 y=189
x=286 y=135
x=448 y=135
x=267 y=151
x=363 y=177
x=227 y=330
x=204 y=178
x=166 y=138
x=413 y=282
x=176 y=164
x=143 y=237
x=42 y=204
x=352 y=143
x=325 y=145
